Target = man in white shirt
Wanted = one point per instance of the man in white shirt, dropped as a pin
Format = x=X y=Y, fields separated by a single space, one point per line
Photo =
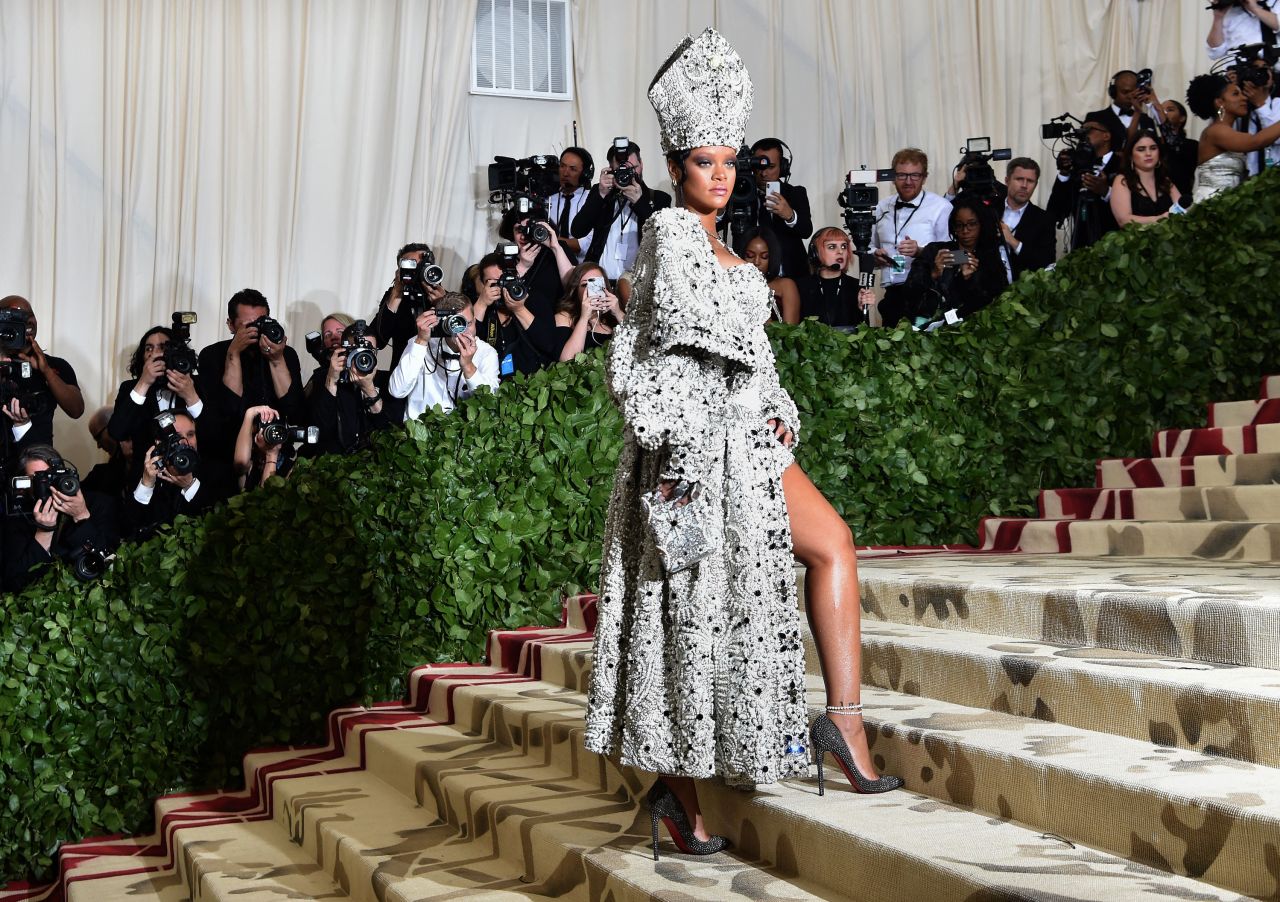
x=905 y=222
x=615 y=214
x=1264 y=110
x=1237 y=22
x=576 y=171
x=440 y=372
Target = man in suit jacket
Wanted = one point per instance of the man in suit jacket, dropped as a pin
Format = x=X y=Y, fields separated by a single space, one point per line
x=1118 y=117
x=1027 y=230
x=1083 y=197
x=615 y=215
x=785 y=212
x=162 y=493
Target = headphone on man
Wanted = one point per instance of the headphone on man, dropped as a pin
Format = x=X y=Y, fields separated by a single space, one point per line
x=1111 y=85
x=784 y=154
x=588 y=165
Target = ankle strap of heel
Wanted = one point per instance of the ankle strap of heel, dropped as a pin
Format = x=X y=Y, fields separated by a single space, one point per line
x=845 y=709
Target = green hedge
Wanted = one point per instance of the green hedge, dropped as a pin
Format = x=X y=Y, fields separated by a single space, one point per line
x=246 y=627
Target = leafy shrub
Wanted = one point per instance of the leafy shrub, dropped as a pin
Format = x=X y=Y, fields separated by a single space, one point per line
x=245 y=628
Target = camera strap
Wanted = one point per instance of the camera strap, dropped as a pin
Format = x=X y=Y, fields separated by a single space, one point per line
x=898 y=230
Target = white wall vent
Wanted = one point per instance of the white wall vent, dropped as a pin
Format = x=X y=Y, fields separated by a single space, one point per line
x=522 y=48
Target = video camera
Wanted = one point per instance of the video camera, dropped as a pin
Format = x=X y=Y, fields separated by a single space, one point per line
x=979 y=178
x=415 y=278
x=1075 y=141
x=536 y=177
x=172 y=450
x=745 y=200
x=13 y=329
x=510 y=280
x=178 y=355
x=858 y=200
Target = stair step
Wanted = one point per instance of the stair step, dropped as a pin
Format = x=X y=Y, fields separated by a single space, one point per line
x=1217 y=503
x=1211 y=708
x=1270 y=387
x=1215 y=612
x=1244 y=413
x=1172 y=472
x=1208 y=540
x=1263 y=439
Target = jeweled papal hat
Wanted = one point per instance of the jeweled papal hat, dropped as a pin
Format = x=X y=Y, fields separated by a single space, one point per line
x=702 y=94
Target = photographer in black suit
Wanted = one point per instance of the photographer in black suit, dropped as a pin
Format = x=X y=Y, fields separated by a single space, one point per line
x=1118 y=117
x=615 y=213
x=50 y=386
x=785 y=210
x=1026 y=229
x=169 y=484
x=1081 y=194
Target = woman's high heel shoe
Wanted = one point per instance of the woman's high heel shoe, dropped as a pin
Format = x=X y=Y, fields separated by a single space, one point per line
x=664 y=806
x=826 y=737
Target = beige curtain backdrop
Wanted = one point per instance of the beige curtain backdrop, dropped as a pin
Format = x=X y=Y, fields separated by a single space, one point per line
x=157 y=155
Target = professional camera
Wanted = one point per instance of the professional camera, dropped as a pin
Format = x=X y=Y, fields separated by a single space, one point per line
x=278 y=432
x=536 y=230
x=270 y=328
x=510 y=281
x=624 y=174
x=172 y=450
x=16 y=382
x=979 y=177
x=361 y=358
x=88 y=563
x=745 y=199
x=537 y=177
x=39 y=486
x=1244 y=59
x=315 y=347
x=1075 y=141
x=858 y=200
x=13 y=329
x=178 y=355
x=415 y=278
x=449 y=325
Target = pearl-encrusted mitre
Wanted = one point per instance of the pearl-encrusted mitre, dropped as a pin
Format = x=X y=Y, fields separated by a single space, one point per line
x=702 y=95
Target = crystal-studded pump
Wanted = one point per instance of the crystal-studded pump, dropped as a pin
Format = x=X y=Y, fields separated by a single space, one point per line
x=826 y=737
x=665 y=807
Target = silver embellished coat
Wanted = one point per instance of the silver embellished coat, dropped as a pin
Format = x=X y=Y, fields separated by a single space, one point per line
x=701 y=672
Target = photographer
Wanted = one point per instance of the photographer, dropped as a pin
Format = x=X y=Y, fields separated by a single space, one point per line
x=259 y=455
x=1181 y=153
x=615 y=213
x=444 y=364
x=344 y=402
x=576 y=170
x=111 y=477
x=1237 y=22
x=785 y=210
x=588 y=313
x=1026 y=229
x=394 y=324
x=1082 y=196
x=174 y=480
x=253 y=368
x=57 y=525
x=829 y=294
x=153 y=389
x=1119 y=118
x=954 y=279
x=1256 y=81
x=30 y=403
x=905 y=222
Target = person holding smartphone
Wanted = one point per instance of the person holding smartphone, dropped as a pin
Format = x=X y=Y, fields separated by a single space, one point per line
x=951 y=280
x=784 y=207
x=588 y=313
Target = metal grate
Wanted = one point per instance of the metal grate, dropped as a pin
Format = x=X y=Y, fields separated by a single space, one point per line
x=522 y=48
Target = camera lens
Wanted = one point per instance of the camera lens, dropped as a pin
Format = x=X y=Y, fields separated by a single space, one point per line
x=273 y=434
x=67 y=483
x=363 y=361
x=432 y=274
x=270 y=328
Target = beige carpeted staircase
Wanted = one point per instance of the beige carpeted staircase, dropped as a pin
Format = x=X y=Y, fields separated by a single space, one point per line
x=1100 y=728
x=1211 y=492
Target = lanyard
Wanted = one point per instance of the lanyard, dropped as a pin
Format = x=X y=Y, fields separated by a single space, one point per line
x=899 y=230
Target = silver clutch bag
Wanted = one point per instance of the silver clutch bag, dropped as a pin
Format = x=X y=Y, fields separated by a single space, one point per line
x=684 y=533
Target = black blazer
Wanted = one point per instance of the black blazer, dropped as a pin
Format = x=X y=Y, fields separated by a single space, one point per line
x=1112 y=121
x=1035 y=231
x=795 y=256
x=598 y=213
x=25 y=559
x=167 y=502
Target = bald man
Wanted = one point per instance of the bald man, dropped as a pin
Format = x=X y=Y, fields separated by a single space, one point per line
x=52 y=384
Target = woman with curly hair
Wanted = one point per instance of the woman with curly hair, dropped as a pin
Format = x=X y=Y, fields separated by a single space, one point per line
x=1222 y=148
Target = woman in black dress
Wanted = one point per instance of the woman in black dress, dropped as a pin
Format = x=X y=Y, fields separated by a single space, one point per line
x=1143 y=192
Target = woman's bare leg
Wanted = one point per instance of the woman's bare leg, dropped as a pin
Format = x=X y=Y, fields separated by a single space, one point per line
x=823 y=542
